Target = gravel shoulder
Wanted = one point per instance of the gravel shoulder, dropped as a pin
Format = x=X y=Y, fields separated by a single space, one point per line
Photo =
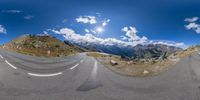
x=134 y=69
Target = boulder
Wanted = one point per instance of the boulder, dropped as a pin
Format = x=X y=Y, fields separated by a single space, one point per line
x=113 y=63
x=145 y=72
x=48 y=52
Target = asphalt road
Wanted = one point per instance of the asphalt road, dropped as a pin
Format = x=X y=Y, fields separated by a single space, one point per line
x=80 y=77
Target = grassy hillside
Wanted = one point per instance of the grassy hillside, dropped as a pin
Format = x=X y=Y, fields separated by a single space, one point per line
x=46 y=46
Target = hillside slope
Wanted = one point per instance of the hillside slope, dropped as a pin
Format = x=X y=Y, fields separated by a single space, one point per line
x=46 y=46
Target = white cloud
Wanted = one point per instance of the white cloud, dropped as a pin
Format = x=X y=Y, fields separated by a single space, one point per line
x=45 y=33
x=105 y=22
x=28 y=17
x=93 y=31
x=87 y=30
x=193 y=19
x=12 y=11
x=71 y=35
x=98 y=26
x=99 y=30
x=131 y=33
x=96 y=31
x=192 y=25
x=86 y=19
x=169 y=43
x=124 y=37
x=198 y=30
x=2 y=30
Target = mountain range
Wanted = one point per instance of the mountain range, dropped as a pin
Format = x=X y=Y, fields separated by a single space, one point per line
x=139 y=51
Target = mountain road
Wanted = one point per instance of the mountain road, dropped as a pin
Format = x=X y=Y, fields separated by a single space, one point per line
x=80 y=77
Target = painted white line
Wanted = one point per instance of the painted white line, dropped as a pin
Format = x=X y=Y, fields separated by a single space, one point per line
x=74 y=66
x=45 y=75
x=1 y=56
x=10 y=65
x=94 y=70
x=95 y=64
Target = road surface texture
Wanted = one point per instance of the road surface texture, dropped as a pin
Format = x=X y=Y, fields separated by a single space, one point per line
x=80 y=77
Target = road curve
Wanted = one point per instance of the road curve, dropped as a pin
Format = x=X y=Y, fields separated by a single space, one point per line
x=80 y=77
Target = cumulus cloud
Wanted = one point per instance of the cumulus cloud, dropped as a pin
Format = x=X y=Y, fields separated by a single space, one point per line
x=86 y=19
x=91 y=31
x=12 y=11
x=193 y=19
x=105 y=22
x=87 y=30
x=98 y=25
x=28 y=17
x=131 y=34
x=2 y=30
x=192 y=25
x=123 y=37
x=45 y=33
x=71 y=35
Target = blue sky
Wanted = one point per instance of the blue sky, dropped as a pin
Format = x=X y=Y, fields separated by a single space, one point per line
x=153 y=19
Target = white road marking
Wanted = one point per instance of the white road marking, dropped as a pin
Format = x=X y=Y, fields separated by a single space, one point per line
x=74 y=66
x=95 y=67
x=45 y=75
x=94 y=70
x=1 y=56
x=10 y=65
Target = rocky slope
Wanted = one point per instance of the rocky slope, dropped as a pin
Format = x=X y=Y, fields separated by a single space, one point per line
x=46 y=46
x=152 y=65
x=187 y=52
